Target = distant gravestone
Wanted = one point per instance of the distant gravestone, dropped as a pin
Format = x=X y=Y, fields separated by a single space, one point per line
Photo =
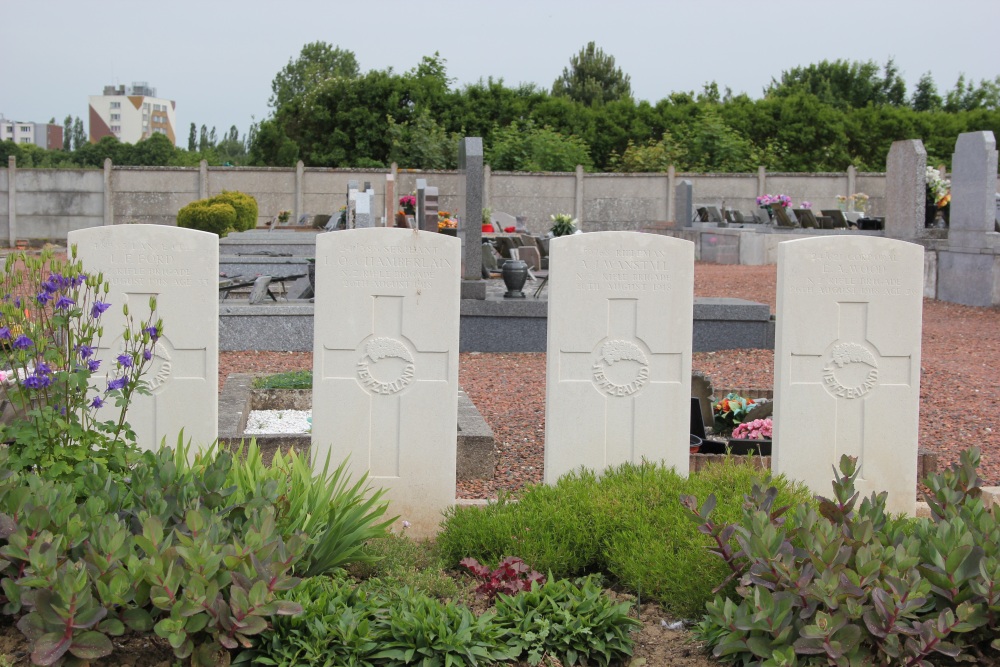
x=847 y=363
x=391 y=205
x=684 y=202
x=180 y=267
x=386 y=365
x=530 y=256
x=619 y=351
x=701 y=388
x=470 y=208
x=967 y=274
x=431 y=208
x=363 y=218
x=420 y=210
x=905 y=189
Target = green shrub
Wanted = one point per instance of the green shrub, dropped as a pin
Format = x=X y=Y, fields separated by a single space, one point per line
x=628 y=523
x=244 y=205
x=208 y=216
x=577 y=624
x=289 y=380
x=852 y=586
x=397 y=561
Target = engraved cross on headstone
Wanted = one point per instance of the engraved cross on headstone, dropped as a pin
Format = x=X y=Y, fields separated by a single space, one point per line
x=619 y=392
x=847 y=370
x=383 y=365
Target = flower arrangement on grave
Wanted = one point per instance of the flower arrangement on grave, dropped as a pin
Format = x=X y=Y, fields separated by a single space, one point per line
x=408 y=204
x=731 y=411
x=445 y=221
x=860 y=200
x=563 y=224
x=284 y=215
x=842 y=202
x=757 y=429
x=767 y=201
x=806 y=204
x=938 y=189
x=342 y=217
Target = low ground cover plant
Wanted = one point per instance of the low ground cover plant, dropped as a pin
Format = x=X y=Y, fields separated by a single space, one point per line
x=287 y=380
x=847 y=584
x=627 y=524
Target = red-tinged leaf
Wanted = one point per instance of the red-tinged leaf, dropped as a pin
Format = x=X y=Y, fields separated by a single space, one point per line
x=90 y=618
x=49 y=648
x=91 y=646
x=112 y=626
x=228 y=642
x=252 y=625
x=287 y=608
x=138 y=619
x=31 y=626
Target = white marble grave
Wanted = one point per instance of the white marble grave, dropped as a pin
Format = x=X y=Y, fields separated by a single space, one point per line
x=619 y=351
x=385 y=365
x=847 y=363
x=180 y=267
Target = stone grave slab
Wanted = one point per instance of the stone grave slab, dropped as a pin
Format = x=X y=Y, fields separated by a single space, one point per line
x=385 y=365
x=847 y=363
x=470 y=210
x=180 y=267
x=905 y=194
x=618 y=370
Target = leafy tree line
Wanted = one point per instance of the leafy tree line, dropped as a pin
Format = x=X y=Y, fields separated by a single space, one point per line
x=821 y=117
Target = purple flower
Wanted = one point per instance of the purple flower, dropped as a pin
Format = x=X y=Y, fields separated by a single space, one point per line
x=17 y=302
x=154 y=333
x=97 y=402
x=147 y=354
x=52 y=284
x=37 y=381
x=98 y=308
x=93 y=364
x=125 y=361
x=43 y=298
x=43 y=368
x=22 y=342
x=84 y=351
x=79 y=280
x=4 y=333
x=63 y=303
x=117 y=383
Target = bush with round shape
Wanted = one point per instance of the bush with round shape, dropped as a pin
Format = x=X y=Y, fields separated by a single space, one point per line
x=245 y=206
x=207 y=216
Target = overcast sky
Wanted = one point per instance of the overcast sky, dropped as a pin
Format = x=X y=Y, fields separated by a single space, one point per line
x=216 y=58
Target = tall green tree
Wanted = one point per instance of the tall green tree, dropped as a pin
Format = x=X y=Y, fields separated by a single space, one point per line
x=843 y=84
x=193 y=138
x=203 y=144
x=317 y=62
x=68 y=133
x=925 y=95
x=592 y=78
x=79 y=136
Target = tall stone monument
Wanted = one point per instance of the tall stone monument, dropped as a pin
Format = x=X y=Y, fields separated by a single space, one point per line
x=683 y=203
x=905 y=189
x=969 y=270
x=847 y=363
x=470 y=207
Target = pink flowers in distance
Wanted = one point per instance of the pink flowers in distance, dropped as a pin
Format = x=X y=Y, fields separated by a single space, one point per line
x=784 y=201
x=755 y=430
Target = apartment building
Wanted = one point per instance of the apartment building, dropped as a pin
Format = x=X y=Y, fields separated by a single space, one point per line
x=43 y=135
x=131 y=115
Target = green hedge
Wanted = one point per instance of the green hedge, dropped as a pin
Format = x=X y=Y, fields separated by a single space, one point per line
x=206 y=216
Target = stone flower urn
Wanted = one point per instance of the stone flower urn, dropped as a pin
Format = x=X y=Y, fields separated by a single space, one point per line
x=515 y=274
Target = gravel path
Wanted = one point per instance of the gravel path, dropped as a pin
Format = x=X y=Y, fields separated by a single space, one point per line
x=959 y=382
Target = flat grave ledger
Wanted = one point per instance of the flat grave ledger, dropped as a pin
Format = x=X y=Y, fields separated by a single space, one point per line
x=180 y=267
x=618 y=369
x=847 y=362
x=385 y=364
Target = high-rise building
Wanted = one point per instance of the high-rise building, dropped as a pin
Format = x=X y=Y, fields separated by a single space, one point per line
x=43 y=135
x=131 y=117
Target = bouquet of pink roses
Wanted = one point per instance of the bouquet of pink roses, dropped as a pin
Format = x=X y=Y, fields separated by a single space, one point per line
x=755 y=430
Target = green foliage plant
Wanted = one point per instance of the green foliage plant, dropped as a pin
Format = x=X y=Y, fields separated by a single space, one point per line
x=163 y=550
x=850 y=585
x=592 y=78
x=396 y=561
x=207 y=216
x=244 y=205
x=339 y=516
x=573 y=622
x=563 y=224
x=50 y=329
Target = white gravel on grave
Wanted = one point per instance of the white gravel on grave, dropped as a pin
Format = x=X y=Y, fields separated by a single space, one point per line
x=261 y=422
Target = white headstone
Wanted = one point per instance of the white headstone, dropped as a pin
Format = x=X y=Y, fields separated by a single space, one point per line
x=363 y=217
x=847 y=363
x=181 y=268
x=619 y=351
x=385 y=365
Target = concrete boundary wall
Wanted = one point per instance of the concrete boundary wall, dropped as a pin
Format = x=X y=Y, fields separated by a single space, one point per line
x=46 y=203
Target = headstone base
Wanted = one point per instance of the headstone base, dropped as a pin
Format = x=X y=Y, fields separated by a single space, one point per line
x=474 y=289
x=968 y=278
